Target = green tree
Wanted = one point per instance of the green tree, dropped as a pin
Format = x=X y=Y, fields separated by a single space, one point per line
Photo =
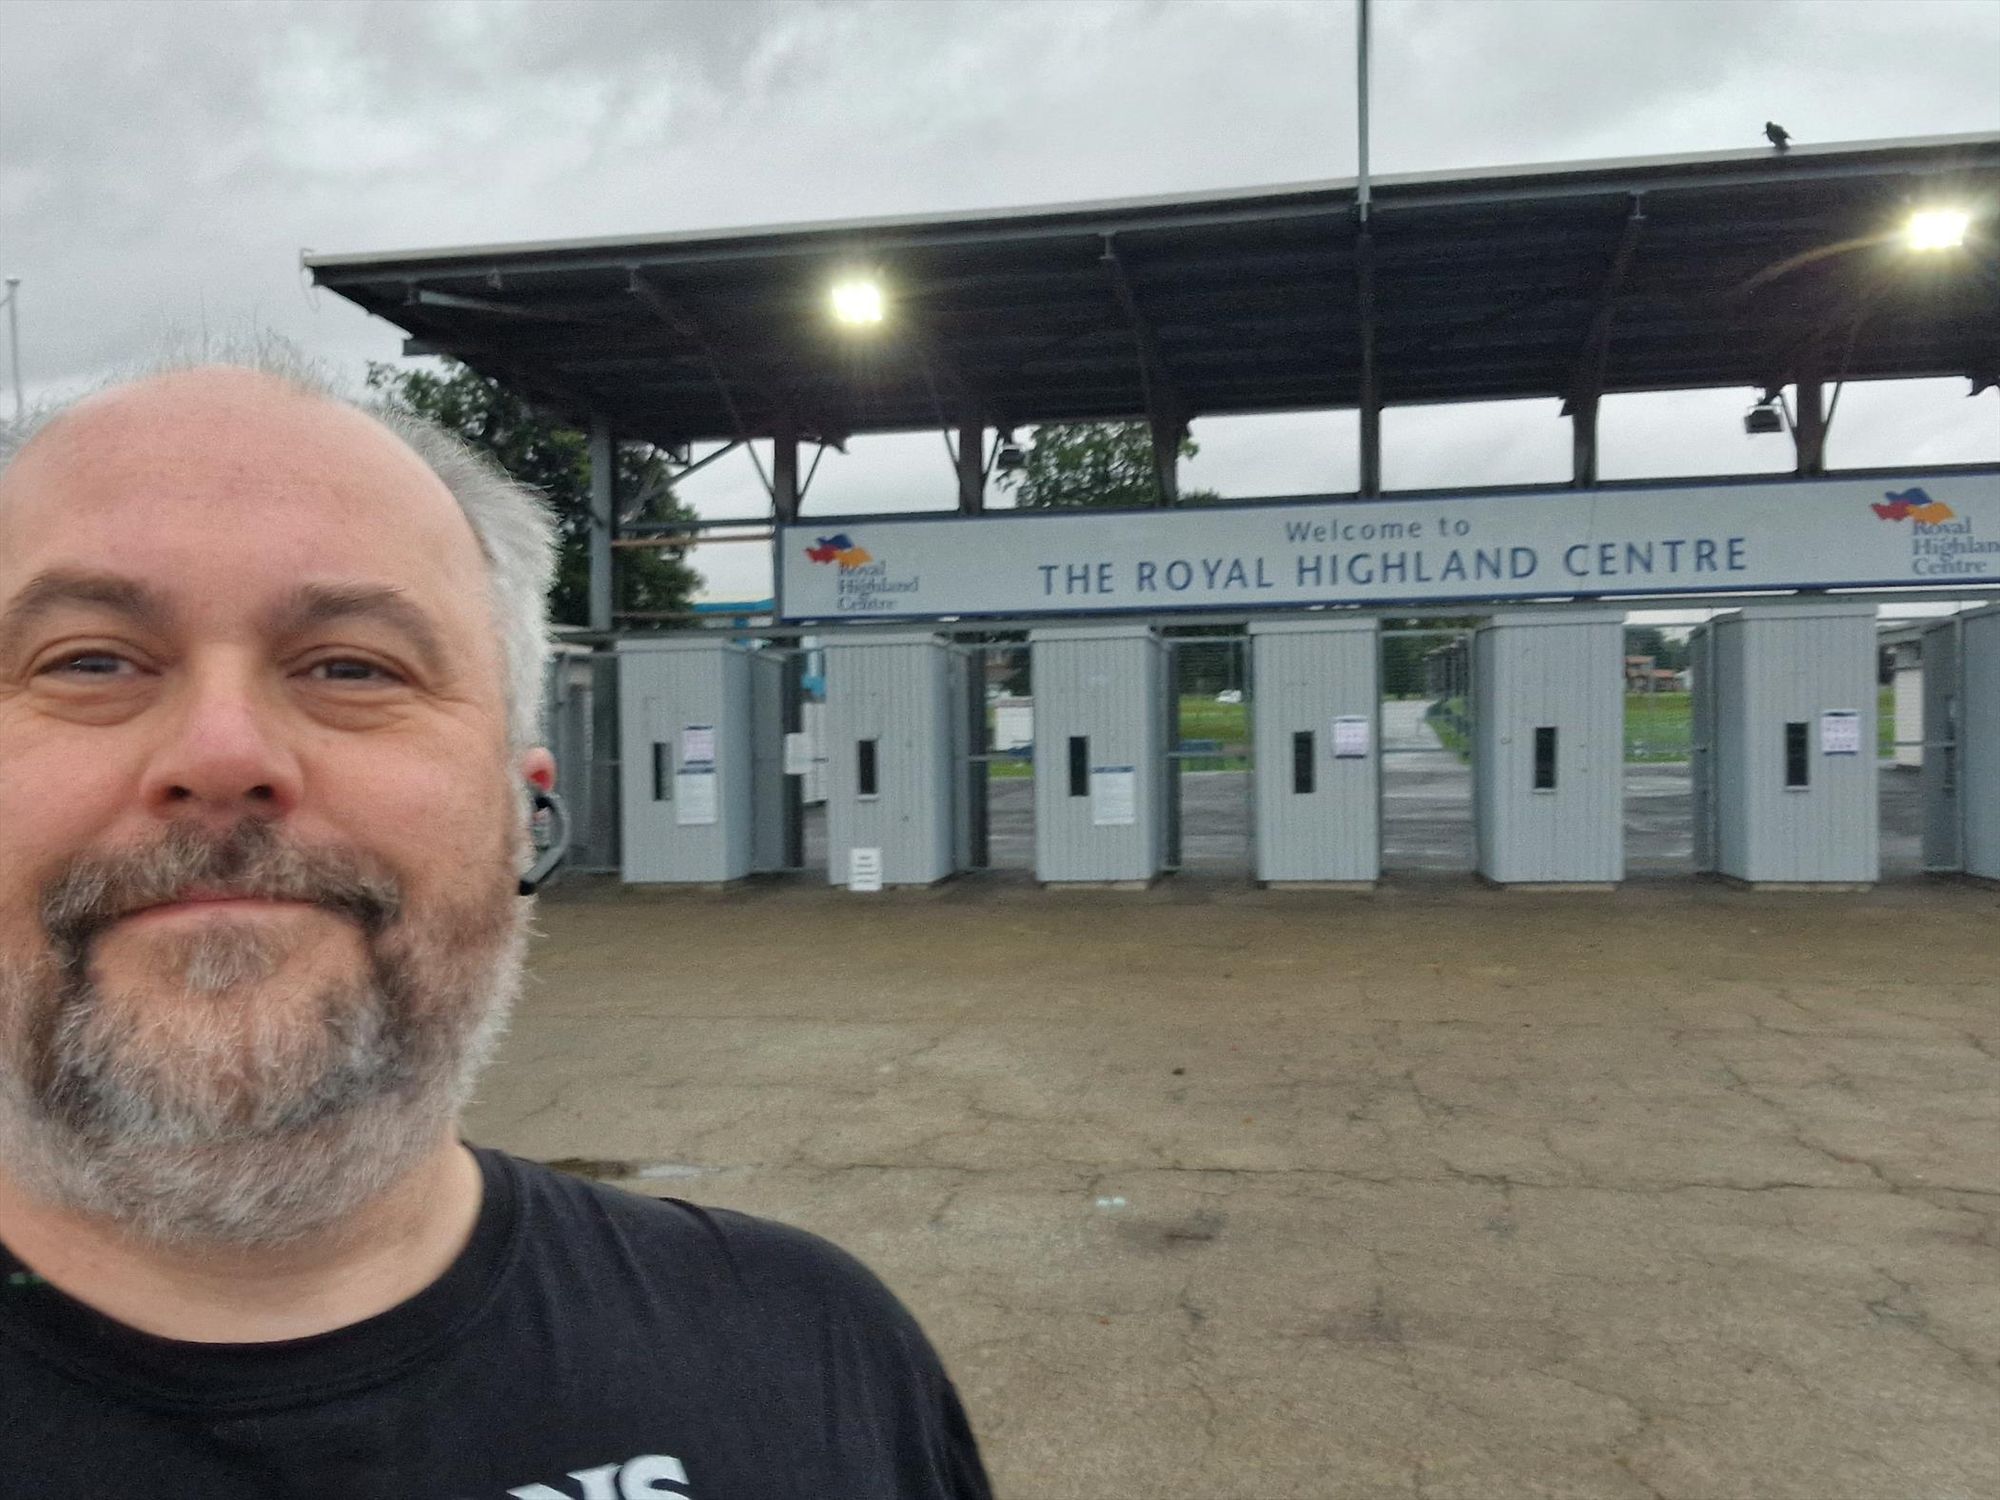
x=1668 y=651
x=1645 y=640
x=555 y=460
x=1096 y=464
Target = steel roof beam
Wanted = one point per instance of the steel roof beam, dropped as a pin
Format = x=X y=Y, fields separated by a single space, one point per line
x=418 y=296
x=1586 y=381
x=680 y=320
x=1167 y=410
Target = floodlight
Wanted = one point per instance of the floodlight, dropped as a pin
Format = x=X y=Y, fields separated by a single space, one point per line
x=857 y=301
x=1763 y=417
x=1937 y=228
x=1010 y=458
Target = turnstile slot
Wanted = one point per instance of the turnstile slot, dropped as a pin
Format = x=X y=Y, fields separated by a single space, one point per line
x=1798 y=765
x=1545 y=757
x=865 y=779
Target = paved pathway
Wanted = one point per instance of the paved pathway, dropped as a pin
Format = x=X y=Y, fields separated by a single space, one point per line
x=1405 y=727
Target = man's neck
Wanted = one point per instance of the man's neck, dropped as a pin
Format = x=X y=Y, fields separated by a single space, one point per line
x=385 y=1254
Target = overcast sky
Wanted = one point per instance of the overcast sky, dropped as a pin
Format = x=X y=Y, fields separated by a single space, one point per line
x=162 y=165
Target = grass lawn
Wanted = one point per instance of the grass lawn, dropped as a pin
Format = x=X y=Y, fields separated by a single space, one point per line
x=1202 y=718
x=1658 y=727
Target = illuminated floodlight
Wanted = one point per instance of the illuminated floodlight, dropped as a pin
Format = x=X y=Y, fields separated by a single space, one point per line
x=857 y=301
x=1937 y=228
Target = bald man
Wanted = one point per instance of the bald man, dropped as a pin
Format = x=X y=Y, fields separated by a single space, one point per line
x=269 y=672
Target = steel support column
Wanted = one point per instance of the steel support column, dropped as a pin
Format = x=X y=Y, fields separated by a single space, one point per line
x=1167 y=428
x=1583 y=442
x=1586 y=380
x=1371 y=397
x=971 y=461
x=1810 y=434
x=1167 y=411
x=603 y=520
x=785 y=470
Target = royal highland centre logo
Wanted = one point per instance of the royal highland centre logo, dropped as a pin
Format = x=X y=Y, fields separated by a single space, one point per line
x=1912 y=505
x=861 y=581
x=1943 y=543
x=840 y=548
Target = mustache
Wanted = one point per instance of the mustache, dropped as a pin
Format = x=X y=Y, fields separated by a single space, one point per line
x=252 y=858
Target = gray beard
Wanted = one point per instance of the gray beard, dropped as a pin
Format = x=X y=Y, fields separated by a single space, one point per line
x=214 y=1116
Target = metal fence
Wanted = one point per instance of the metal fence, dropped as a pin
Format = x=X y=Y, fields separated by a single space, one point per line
x=1209 y=702
x=998 y=780
x=1444 y=667
x=580 y=715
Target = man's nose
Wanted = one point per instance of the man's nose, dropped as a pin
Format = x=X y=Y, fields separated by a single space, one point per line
x=226 y=751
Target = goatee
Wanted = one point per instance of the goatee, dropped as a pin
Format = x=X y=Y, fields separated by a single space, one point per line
x=210 y=1103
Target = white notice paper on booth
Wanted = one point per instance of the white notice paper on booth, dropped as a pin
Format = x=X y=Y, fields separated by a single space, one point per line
x=798 y=754
x=1350 y=736
x=1114 y=796
x=698 y=742
x=864 y=869
x=1840 y=732
x=695 y=798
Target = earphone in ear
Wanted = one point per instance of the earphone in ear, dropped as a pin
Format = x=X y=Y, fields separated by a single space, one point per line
x=558 y=847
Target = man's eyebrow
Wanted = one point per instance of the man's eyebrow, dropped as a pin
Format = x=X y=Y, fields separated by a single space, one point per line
x=308 y=606
x=316 y=604
x=49 y=591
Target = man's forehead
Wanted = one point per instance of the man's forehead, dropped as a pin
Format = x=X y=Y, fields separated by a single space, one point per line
x=234 y=461
x=215 y=421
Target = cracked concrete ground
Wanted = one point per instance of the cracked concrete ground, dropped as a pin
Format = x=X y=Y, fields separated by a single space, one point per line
x=1441 y=1192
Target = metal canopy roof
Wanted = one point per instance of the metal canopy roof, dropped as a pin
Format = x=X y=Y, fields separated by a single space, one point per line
x=1739 y=268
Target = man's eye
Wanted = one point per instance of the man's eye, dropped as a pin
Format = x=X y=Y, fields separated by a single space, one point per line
x=352 y=669
x=87 y=664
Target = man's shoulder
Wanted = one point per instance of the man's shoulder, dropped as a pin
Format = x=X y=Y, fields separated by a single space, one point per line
x=568 y=1216
x=789 y=1332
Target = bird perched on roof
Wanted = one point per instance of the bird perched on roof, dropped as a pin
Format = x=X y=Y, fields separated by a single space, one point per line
x=1777 y=135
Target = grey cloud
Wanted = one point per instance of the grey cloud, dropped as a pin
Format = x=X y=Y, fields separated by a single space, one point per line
x=165 y=163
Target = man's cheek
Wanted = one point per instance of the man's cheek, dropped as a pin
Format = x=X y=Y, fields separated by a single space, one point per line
x=22 y=939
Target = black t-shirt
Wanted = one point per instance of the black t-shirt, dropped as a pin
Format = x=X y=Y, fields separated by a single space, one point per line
x=588 y=1344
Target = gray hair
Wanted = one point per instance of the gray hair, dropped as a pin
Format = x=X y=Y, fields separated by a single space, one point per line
x=514 y=526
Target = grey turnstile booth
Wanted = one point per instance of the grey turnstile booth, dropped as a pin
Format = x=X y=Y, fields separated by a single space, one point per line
x=1100 y=753
x=1548 y=747
x=1784 y=754
x=890 y=739
x=685 y=760
x=1315 y=719
x=1961 y=765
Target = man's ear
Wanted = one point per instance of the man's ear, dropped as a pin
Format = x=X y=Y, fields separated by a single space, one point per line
x=538 y=768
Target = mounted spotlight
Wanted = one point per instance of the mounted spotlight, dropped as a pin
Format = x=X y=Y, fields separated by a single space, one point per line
x=1937 y=229
x=1764 y=417
x=857 y=301
x=1011 y=458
